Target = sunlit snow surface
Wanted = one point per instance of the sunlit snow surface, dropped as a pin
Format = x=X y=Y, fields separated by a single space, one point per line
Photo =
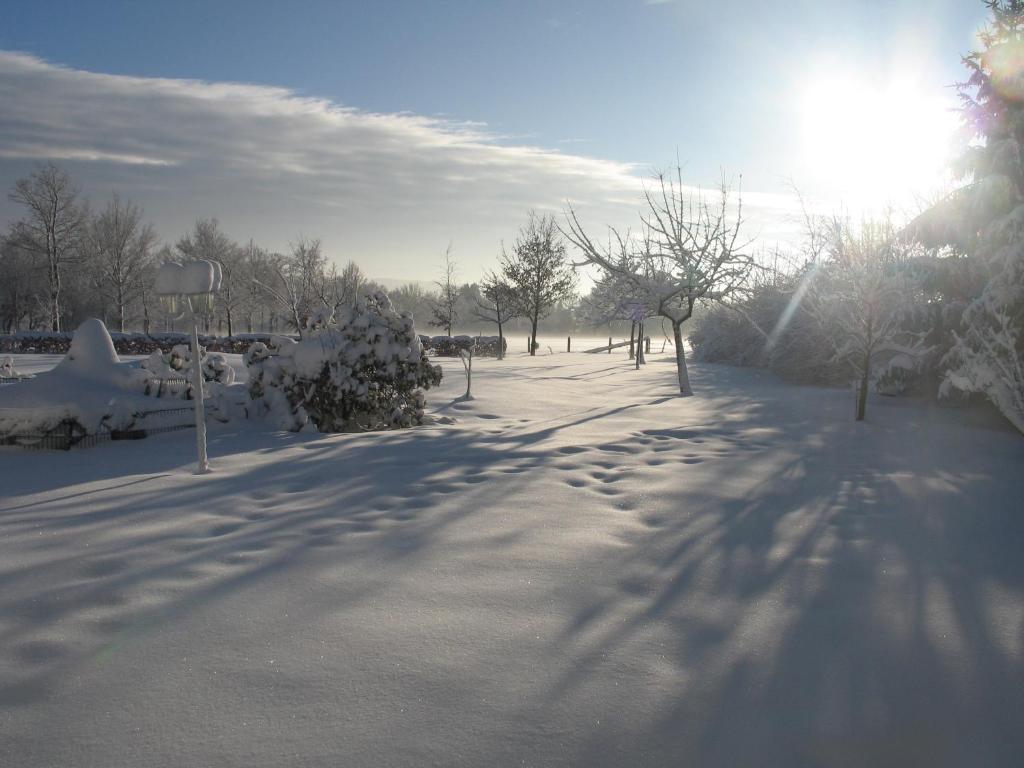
x=577 y=567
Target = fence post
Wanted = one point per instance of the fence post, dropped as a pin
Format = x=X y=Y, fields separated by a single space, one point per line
x=609 y=345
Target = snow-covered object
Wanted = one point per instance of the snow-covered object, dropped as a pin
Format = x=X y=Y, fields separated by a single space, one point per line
x=366 y=370
x=177 y=364
x=7 y=369
x=92 y=349
x=988 y=355
x=89 y=386
x=897 y=375
x=196 y=280
x=189 y=279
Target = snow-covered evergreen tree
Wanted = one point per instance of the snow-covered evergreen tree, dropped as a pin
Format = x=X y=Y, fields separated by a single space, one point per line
x=988 y=356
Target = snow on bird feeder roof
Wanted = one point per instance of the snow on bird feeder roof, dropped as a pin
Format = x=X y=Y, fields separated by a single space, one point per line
x=196 y=280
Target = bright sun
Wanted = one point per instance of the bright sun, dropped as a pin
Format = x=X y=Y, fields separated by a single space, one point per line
x=875 y=142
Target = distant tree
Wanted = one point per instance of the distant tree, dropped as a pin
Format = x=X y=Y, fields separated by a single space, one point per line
x=208 y=241
x=688 y=251
x=256 y=268
x=337 y=289
x=411 y=298
x=52 y=229
x=615 y=298
x=292 y=282
x=120 y=246
x=496 y=304
x=445 y=305
x=537 y=272
x=21 y=288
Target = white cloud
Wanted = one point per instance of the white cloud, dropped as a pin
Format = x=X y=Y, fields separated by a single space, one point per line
x=387 y=190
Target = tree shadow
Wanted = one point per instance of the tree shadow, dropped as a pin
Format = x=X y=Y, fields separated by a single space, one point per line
x=862 y=603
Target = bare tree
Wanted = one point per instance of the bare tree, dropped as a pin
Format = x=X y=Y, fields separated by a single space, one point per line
x=207 y=241
x=496 y=304
x=413 y=299
x=20 y=287
x=53 y=228
x=338 y=289
x=616 y=299
x=120 y=246
x=859 y=296
x=537 y=271
x=257 y=270
x=688 y=251
x=293 y=281
x=444 y=305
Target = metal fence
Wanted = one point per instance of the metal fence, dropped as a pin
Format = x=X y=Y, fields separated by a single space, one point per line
x=70 y=434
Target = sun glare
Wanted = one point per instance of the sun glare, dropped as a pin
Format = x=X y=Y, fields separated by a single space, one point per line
x=876 y=143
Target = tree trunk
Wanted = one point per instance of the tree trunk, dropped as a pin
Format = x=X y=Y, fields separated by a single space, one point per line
x=684 y=377
x=533 y=336
x=862 y=395
x=54 y=311
x=120 y=308
x=54 y=295
x=632 y=333
x=501 y=344
x=227 y=312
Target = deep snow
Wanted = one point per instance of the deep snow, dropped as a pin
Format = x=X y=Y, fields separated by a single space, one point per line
x=575 y=568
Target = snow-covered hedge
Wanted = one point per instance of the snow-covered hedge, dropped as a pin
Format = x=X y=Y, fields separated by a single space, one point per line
x=365 y=370
x=452 y=346
x=48 y=342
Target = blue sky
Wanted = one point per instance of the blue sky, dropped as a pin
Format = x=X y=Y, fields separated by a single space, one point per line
x=630 y=83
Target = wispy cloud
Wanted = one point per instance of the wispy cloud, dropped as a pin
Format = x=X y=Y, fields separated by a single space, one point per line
x=388 y=190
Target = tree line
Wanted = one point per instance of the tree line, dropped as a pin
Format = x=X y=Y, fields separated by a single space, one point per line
x=62 y=262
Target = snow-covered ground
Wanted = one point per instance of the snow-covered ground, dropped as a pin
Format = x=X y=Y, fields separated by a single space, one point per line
x=575 y=568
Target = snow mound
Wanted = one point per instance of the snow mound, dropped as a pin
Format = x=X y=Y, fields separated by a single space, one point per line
x=92 y=351
x=90 y=386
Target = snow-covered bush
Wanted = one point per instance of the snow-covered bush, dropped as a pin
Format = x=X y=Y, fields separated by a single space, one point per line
x=7 y=369
x=772 y=328
x=366 y=369
x=176 y=364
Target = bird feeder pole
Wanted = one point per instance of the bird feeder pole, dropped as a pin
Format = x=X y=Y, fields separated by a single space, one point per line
x=195 y=283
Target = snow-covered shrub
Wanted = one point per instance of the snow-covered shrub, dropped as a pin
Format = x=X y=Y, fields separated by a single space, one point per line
x=176 y=364
x=898 y=376
x=7 y=370
x=365 y=370
x=772 y=328
x=723 y=335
